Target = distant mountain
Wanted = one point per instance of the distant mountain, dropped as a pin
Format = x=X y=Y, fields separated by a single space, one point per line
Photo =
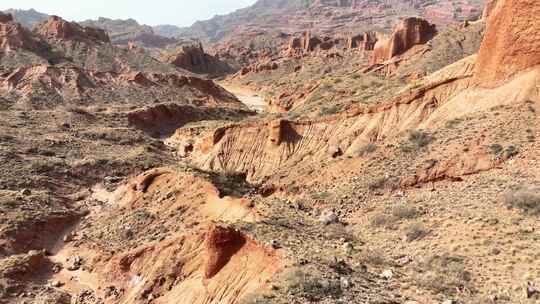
x=27 y=18
x=167 y=30
x=125 y=31
x=329 y=17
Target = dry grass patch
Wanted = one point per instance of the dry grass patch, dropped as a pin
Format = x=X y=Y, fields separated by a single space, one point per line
x=525 y=198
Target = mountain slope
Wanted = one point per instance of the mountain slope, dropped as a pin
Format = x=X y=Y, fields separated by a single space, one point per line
x=330 y=17
x=130 y=31
x=27 y=18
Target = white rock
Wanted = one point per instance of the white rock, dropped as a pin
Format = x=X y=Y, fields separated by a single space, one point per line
x=387 y=274
x=345 y=282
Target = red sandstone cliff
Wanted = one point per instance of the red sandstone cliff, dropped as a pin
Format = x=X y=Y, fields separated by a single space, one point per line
x=410 y=32
x=56 y=28
x=512 y=41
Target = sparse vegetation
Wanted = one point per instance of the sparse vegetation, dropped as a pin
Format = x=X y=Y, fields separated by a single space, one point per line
x=372 y=256
x=416 y=232
x=526 y=198
x=444 y=274
x=382 y=220
x=499 y=151
x=330 y=110
x=367 y=149
x=404 y=211
x=384 y=183
x=321 y=195
x=312 y=288
x=416 y=141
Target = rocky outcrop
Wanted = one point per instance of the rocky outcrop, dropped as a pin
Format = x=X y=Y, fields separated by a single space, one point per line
x=259 y=67
x=4 y=18
x=302 y=45
x=13 y=36
x=488 y=8
x=512 y=41
x=194 y=59
x=280 y=144
x=221 y=244
x=262 y=150
x=127 y=31
x=331 y=16
x=75 y=85
x=27 y=18
x=204 y=263
x=410 y=32
x=56 y=28
x=163 y=119
x=365 y=41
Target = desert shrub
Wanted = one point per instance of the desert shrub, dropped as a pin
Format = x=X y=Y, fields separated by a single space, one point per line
x=500 y=151
x=416 y=231
x=384 y=183
x=526 y=198
x=367 y=149
x=257 y=299
x=372 y=256
x=404 y=211
x=416 y=141
x=444 y=274
x=392 y=217
x=453 y=123
x=77 y=110
x=496 y=149
x=383 y=220
x=313 y=288
x=419 y=138
x=338 y=231
x=329 y=110
x=43 y=166
x=321 y=195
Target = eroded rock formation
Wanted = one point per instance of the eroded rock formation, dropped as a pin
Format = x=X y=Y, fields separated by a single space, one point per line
x=220 y=245
x=194 y=59
x=62 y=85
x=365 y=41
x=56 y=28
x=14 y=36
x=410 y=32
x=512 y=41
x=302 y=45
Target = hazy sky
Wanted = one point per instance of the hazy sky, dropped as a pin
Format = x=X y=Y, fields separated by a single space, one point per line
x=152 y=12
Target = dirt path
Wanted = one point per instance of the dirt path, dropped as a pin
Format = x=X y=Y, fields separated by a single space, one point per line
x=247 y=96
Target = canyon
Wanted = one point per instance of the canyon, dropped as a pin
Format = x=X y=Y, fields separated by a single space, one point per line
x=322 y=151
